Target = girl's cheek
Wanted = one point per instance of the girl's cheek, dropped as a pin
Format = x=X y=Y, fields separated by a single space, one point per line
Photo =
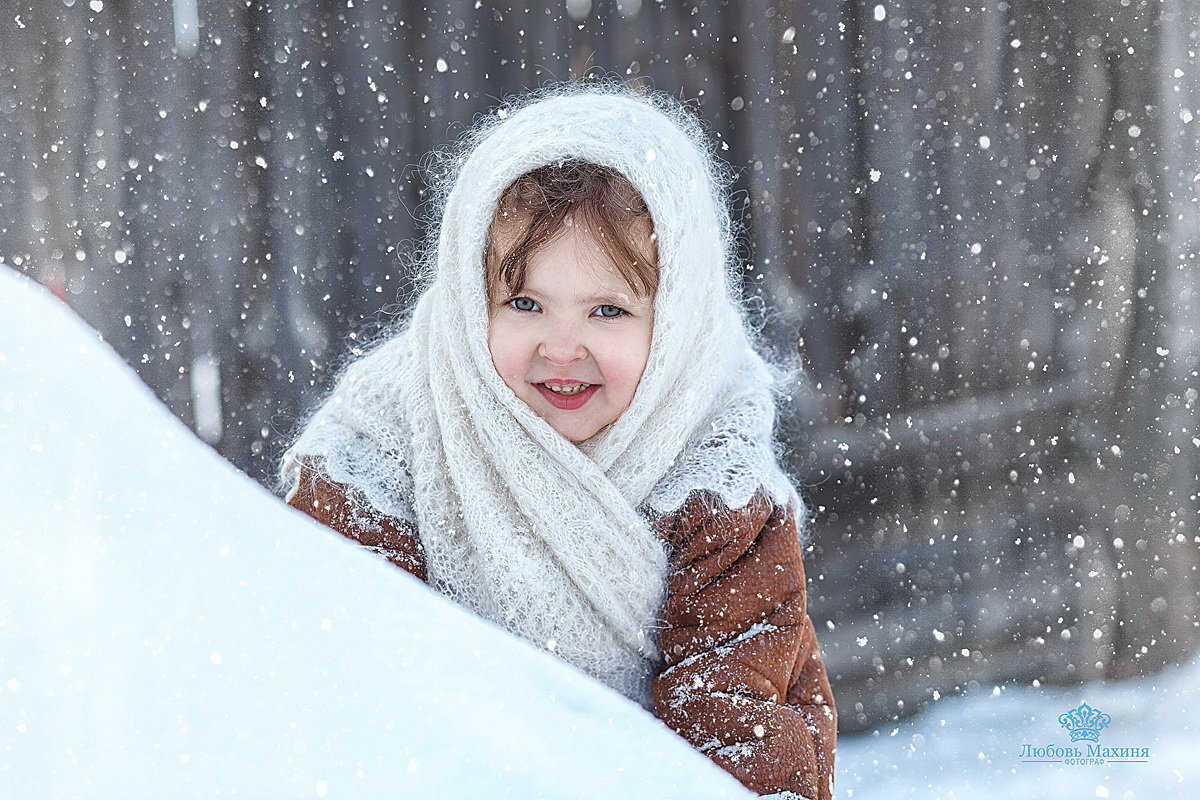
x=505 y=342
x=625 y=359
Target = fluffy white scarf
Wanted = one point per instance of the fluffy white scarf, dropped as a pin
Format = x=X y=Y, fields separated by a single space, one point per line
x=550 y=539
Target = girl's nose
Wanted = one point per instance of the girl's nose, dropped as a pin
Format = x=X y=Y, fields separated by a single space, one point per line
x=562 y=345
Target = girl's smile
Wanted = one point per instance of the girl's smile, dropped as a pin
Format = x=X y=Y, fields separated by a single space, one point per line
x=567 y=399
x=574 y=341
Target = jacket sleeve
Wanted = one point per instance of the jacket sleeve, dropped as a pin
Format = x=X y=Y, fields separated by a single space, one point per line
x=339 y=507
x=743 y=679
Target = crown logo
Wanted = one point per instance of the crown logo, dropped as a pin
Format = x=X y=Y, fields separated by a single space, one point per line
x=1084 y=723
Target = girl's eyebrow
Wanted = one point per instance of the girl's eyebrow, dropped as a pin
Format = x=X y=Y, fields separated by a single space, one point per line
x=621 y=298
x=616 y=298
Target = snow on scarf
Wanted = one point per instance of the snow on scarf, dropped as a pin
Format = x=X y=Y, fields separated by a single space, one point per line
x=547 y=538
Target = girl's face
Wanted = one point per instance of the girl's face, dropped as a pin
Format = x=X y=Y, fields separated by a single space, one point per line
x=573 y=343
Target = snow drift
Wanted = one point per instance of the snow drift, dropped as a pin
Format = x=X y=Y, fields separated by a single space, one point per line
x=970 y=747
x=170 y=629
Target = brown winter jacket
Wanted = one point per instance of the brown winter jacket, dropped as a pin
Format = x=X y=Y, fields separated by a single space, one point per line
x=743 y=679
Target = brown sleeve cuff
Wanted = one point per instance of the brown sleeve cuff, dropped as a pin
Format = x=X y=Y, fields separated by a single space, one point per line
x=341 y=508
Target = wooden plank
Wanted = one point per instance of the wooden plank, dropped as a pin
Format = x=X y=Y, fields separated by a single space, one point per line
x=1148 y=485
x=969 y=426
x=890 y=696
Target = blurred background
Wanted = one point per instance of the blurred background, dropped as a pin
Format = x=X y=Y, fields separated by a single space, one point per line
x=978 y=225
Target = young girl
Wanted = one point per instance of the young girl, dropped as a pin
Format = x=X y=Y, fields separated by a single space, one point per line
x=572 y=433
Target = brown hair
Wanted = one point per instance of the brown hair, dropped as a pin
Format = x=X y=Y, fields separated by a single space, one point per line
x=534 y=209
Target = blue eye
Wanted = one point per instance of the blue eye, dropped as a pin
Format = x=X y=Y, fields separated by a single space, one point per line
x=609 y=312
x=523 y=304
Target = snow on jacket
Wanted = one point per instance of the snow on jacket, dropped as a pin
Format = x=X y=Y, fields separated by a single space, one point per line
x=742 y=678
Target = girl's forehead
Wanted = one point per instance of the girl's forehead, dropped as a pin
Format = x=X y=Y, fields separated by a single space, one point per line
x=584 y=276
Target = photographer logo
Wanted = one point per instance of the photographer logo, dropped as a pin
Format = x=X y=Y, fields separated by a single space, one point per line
x=1084 y=724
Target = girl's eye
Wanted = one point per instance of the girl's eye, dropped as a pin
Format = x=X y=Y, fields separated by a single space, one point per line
x=523 y=304
x=609 y=312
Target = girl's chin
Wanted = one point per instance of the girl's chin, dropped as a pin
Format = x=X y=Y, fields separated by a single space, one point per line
x=575 y=433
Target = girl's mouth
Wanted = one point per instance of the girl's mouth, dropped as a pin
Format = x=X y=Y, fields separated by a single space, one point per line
x=568 y=397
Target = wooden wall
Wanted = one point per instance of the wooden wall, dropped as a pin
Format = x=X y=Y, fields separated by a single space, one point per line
x=1004 y=345
x=978 y=224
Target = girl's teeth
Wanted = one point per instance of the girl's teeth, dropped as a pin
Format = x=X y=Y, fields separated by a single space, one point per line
x=567 y=390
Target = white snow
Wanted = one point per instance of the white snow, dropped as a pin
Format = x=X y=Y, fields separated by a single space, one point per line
x=970 y=746
x=169 y=629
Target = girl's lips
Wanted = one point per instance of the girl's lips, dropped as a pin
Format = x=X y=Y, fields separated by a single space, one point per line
x=567 y=402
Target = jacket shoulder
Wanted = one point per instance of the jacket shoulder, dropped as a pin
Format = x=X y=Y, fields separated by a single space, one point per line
x=708 y=538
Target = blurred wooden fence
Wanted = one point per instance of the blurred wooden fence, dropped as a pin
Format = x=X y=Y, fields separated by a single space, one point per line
x=982 y=221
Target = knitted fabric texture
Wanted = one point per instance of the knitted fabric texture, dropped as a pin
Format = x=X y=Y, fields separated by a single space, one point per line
x=548 y=538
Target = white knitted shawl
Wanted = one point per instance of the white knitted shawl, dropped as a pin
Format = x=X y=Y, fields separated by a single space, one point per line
x=547 y=538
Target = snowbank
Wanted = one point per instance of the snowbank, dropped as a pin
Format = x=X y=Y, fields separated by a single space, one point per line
x=169 y=629
x=971 y=746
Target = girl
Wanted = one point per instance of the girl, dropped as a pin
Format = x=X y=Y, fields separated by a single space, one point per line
x=572 y=433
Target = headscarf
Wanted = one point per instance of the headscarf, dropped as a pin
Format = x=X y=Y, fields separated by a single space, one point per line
x=551 y=539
